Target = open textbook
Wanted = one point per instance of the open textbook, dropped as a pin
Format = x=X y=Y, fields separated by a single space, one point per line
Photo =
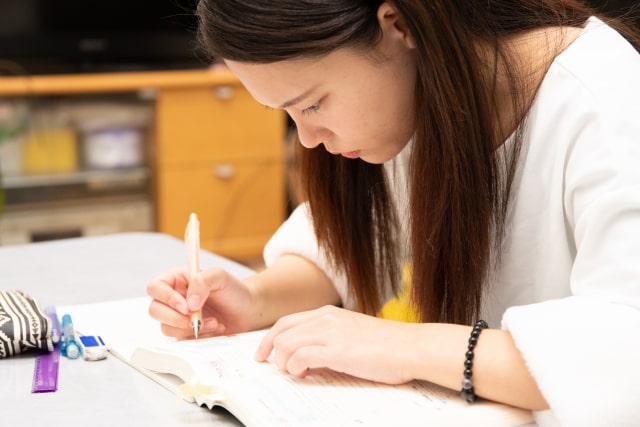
x=221 y=372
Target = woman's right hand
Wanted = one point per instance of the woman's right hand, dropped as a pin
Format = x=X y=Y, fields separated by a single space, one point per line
x=225 y=301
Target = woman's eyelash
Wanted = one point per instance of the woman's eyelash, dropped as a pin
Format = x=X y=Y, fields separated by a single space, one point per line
x=311 y=109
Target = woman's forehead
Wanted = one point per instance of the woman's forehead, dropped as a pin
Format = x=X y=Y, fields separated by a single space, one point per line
x=278 y=84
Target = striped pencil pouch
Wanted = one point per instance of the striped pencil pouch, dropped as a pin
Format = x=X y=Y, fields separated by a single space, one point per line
x=24 y=325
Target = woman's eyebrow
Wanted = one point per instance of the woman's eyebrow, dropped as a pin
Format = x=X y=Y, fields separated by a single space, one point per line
x=298 y=98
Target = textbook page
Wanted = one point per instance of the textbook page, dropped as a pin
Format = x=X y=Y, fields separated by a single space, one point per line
x=260 y=395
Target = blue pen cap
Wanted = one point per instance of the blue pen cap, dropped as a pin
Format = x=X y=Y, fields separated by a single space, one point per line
x=69 y=346
x=66 y=320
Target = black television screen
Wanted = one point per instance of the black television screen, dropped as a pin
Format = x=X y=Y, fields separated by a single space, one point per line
x=76 y=36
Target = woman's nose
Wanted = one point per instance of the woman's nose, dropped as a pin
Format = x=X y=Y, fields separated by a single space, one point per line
x=312 y=136
x=308 y=136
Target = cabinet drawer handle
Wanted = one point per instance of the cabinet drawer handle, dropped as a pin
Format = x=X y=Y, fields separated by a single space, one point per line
x=224 y=93
x=224 y=171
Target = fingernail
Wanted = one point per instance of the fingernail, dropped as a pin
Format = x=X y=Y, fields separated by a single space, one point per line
x=194 y=302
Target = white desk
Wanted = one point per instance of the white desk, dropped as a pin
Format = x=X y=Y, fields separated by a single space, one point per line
x=108 y=392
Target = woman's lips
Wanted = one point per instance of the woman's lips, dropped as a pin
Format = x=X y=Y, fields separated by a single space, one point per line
x=351 y=154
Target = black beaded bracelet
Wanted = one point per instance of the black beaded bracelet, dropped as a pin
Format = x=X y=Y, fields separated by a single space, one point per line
x=468 y=392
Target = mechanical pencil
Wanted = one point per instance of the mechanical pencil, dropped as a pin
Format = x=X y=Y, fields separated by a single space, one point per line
x=192 y=241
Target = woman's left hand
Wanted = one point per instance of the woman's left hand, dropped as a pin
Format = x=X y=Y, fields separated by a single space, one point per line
x=341 y=340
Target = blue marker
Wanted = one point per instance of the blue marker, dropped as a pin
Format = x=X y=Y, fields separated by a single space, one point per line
x=69 y=345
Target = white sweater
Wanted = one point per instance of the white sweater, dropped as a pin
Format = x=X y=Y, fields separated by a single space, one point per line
x=568 y=286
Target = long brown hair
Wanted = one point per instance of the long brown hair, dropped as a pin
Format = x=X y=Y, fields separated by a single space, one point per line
x=458 y=186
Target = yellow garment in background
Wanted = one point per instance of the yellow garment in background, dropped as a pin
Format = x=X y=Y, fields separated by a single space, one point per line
x=400 y=308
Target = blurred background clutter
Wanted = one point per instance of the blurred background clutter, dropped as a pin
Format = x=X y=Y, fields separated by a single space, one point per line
x=111 y=121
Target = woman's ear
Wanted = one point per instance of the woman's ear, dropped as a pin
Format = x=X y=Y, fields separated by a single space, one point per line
x=393 y=25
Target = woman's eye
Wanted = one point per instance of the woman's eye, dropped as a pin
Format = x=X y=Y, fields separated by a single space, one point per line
x=311 y=109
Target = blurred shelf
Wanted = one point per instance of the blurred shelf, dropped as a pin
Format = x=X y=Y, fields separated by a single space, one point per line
x=113 y=82
x=93 y=178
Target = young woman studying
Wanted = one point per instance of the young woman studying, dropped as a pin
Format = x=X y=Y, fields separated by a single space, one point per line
x=486 y=151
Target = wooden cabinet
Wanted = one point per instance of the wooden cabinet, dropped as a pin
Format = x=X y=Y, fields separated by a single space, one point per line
x=212 y=150
x=220 y=154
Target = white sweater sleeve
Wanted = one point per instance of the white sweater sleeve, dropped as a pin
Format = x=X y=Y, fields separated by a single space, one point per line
x=583 y=350
x=296 y=236
x=583 y=353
